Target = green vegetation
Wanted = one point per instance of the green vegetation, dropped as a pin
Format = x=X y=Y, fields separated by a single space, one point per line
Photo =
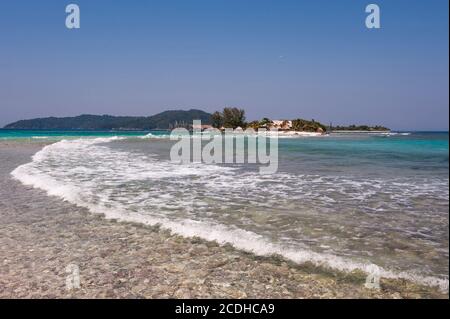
x=217 y=120
x=360 y=128
x=254 y=125
x=230 y=117
x=265 y=122
x=164 y=120
x=300 y=125
x=308 y=126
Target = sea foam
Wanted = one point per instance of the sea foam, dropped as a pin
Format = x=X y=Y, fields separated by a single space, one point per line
x=75 y=169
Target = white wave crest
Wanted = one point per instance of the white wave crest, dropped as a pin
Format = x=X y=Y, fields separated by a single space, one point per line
x=73 y=184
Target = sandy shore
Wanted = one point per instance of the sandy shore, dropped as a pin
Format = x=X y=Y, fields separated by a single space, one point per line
x=126 y=260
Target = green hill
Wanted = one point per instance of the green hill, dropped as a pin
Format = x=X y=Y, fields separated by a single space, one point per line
x=164 y=120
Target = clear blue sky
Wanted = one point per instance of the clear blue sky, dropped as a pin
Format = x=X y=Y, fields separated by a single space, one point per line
x=279 y=58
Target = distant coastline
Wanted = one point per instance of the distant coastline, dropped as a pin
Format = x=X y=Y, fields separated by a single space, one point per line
x=168 y=120
x=161 y=121
x=361 y=131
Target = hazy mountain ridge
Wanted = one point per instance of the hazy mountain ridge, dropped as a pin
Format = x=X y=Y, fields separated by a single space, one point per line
x=163 y=120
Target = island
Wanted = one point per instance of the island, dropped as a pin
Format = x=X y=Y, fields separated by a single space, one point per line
x=228 y=118
x=161 y=121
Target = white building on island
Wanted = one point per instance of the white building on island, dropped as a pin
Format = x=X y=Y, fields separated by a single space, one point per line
x=282 y=124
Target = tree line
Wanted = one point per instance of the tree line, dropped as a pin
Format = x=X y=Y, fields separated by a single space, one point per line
x=232 y=117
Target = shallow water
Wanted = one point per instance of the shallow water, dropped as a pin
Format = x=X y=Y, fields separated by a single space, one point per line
x=346 y=201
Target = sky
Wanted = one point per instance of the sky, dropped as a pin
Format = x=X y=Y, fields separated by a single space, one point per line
x=280 y=59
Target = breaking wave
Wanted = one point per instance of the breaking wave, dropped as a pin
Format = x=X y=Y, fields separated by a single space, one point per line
x=139 y=187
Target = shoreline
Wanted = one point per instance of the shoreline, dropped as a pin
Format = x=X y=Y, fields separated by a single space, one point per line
x=130 y=260
x=359 y=131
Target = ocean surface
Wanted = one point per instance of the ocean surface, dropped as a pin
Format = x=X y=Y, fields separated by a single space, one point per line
x=375 y=202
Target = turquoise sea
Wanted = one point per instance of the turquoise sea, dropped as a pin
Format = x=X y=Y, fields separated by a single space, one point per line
x=58 y=134
x=376 y=202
